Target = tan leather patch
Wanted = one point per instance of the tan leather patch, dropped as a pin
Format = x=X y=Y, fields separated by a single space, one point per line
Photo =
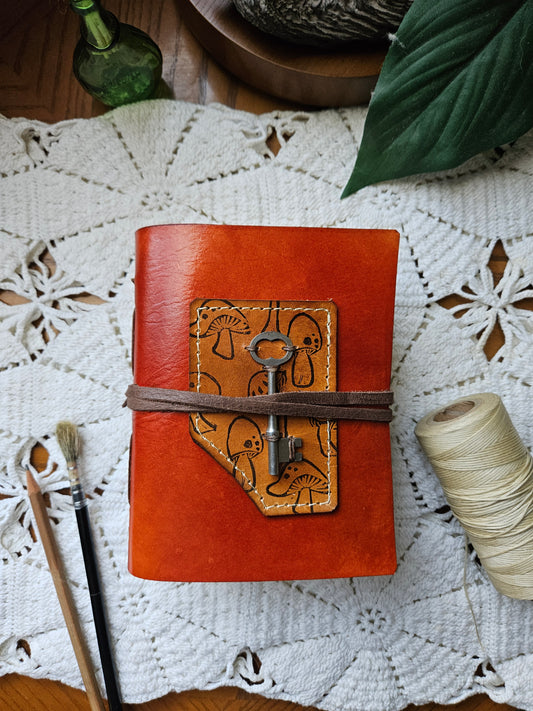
x=221 y=332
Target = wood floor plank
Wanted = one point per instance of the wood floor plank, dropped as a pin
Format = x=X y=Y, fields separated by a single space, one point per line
x=18 y=693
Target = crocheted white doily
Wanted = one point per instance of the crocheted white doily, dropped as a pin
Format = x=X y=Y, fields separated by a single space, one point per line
x=80 y=189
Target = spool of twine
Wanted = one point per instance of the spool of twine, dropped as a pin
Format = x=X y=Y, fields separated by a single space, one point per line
x=486 y=473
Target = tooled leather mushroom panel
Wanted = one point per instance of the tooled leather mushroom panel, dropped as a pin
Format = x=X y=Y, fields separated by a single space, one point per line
x=220 y=362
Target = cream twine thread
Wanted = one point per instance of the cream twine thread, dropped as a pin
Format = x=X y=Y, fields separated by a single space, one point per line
x=486 y=473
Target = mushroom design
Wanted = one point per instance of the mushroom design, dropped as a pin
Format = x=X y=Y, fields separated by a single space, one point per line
x=304 y=482
x=244 y=443
x=204 y=383
x=272 y=322
x=258 y=383
x=220 y=319
x=305 y=334
x=325 y=433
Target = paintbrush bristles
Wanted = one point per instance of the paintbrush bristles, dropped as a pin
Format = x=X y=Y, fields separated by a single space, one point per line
x=69 y=440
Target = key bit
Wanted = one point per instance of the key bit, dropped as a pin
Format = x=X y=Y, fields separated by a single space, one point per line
x=287 y=449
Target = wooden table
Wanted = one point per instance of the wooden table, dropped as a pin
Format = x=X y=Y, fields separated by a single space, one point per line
x=37 y=38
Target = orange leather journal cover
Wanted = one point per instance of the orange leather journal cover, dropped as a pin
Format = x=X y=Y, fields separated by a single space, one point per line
x=190 y=520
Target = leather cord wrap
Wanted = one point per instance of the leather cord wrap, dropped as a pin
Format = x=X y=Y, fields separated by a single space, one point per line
x=322 y=405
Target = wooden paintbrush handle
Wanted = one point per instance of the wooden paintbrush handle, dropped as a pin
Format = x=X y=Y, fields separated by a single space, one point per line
x=63 y=593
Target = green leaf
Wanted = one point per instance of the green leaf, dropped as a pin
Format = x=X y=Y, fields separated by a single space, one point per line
x=457 y=80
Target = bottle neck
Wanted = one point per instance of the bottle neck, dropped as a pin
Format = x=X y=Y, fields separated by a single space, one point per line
x=98 y=27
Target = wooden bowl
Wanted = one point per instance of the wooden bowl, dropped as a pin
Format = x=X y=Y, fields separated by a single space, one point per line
x=297 y=73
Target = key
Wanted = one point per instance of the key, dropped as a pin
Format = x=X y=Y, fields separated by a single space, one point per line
x=271 y=365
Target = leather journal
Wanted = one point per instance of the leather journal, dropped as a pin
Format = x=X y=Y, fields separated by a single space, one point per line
x=260 y=446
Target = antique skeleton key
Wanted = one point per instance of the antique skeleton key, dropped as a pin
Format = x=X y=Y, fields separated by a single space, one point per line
x=279 y=448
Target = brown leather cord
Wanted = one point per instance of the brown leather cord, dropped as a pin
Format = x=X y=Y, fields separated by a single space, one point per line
x=323 y=405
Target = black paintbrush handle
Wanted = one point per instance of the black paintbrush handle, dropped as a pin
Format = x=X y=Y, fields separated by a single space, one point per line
x=99 y=616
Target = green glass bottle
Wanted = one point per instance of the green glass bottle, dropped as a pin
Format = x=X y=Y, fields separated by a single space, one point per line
x=114 y=62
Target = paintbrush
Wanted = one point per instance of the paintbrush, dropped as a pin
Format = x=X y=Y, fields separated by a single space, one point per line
x=69 y=441
x=63 y=593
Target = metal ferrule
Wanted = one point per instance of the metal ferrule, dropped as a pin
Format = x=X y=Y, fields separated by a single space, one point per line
x=78 y=497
